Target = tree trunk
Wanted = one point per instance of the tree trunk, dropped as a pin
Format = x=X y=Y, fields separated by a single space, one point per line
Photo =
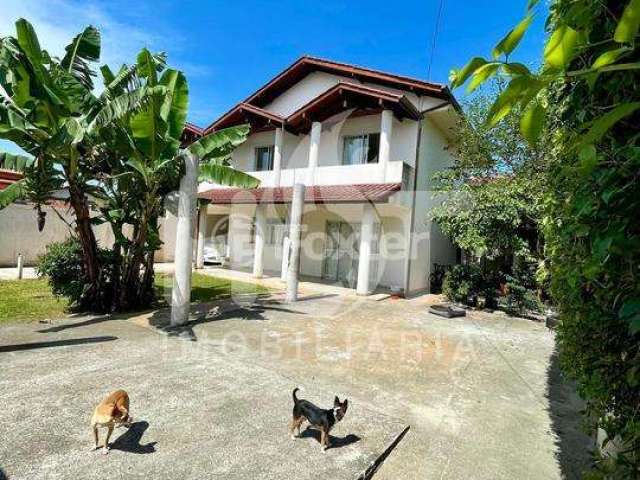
x=91 y=298
x=117 y=269
x=130 y=284
x=147 y=294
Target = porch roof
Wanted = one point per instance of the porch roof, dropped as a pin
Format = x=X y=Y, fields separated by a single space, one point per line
x=257 y=118
x=368 y=192
x=346 y=95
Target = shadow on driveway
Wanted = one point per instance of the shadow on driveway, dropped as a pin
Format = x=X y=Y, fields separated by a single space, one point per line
x=85 y=323
x=207 y=312
x=574 y=446
x=334 y=442
x=130 y=440
x=56 y=343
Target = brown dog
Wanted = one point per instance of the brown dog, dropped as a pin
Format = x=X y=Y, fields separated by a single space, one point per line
x=111 y=412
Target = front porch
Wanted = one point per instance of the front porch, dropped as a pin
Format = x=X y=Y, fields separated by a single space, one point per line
x=313 y=287
x=351 y=247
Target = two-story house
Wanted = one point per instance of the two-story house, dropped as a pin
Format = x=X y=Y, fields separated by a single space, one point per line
x=366 y=145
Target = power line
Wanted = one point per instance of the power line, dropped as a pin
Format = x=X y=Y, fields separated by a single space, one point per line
x=435 y=37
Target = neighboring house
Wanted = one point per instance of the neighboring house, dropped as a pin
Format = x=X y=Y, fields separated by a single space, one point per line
x=7 y=177
x=366 y=145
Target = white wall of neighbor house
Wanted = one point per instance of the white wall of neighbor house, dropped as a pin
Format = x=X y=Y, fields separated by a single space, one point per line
x=19 y=233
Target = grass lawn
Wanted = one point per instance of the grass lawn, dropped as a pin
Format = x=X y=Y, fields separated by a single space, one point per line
x=205 y=288
x=32 y=300
x=28 y=300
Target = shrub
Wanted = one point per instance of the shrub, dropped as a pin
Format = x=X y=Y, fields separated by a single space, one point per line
x=63 y=266
x=463 y=284
x=519 y=299
x=521 y=286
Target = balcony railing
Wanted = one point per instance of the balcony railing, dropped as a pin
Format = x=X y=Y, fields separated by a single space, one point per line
x=396 y=172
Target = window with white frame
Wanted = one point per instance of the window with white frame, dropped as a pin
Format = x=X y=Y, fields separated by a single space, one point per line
x=359 y=149
x=264 y=158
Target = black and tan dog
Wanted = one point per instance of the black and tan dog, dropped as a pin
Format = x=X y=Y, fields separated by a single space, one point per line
x=320 y=418
x=112 y=411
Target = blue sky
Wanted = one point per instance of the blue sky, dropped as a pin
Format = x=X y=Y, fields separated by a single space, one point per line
x=228 y=49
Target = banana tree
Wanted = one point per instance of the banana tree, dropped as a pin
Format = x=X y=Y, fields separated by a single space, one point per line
x=43 y=100
x=150 y=165
x=120 y=149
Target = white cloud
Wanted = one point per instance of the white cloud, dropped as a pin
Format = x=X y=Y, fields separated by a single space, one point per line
x=57 y=21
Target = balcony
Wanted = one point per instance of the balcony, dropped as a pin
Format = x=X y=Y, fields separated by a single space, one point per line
x=397 y=172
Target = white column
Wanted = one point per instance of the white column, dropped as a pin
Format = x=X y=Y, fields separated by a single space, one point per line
x=202 y=227
x=364 y=262
x=277 y=157
x=258 y=252
x=386 y=127
x=314 y=148
x=183 y=257
x=297 y=204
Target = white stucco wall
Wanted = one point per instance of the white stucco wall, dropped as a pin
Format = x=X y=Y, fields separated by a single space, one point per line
x=19 y=233
x=303 y=92
x=317 y=83
x=429 y=245
x=296 y=149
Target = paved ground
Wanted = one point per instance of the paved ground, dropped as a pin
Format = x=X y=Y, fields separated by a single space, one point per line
x=12 y=273
x=482 y=394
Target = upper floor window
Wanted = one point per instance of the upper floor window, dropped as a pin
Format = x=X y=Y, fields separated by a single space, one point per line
x=264 y=158
x=361 y=149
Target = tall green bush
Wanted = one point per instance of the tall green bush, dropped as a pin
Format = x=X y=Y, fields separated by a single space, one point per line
x=588 y=92
x=463 y=284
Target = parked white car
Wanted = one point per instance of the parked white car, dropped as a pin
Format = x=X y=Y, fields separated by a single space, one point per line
x=215 y=253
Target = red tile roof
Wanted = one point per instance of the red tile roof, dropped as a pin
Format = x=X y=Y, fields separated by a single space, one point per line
x=307 y=64
x=369 y=192
x=7 y=177
x=244 y=112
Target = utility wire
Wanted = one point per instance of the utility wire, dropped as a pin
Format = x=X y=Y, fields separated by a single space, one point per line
x=434 y=40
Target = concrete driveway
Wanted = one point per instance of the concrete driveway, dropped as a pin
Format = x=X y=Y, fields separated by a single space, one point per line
x=482 y=395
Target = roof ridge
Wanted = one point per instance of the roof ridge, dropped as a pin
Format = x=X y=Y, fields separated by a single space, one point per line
x=374 y=70
x=409 y=83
